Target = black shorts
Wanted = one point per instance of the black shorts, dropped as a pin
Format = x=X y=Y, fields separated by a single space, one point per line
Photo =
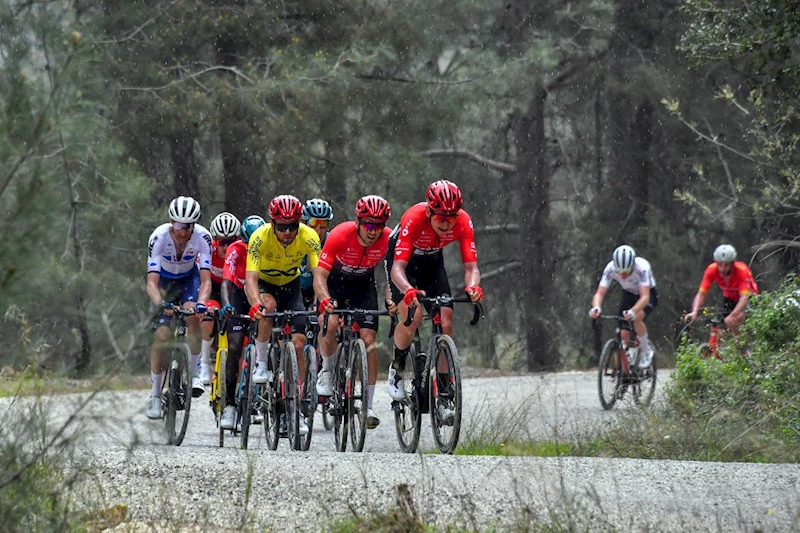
x=238 y=299
x=289 y=298
x=359 y=292
x=729 y=305
x=424 y=272
x=629 y=300
x=308 y=297
x=216 y=293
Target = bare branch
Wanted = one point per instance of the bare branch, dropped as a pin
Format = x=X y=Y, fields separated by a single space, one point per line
x=500 y=228
x=472 y=156
x=731 y=185
x=513 y=265
x=234 y=70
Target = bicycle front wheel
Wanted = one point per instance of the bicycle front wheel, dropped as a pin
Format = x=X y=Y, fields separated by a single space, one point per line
x=609 y=377
x=407 y=416
x=338 y=402
x=178 y=394
x=309 y=398
x=272 y=422
x=645 y=387
x=290 y=394
x=445 y=394
x=247 y=395
x=357 y=395
x=219 y=388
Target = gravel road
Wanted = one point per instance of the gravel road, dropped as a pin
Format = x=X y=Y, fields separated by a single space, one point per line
x=199 y=483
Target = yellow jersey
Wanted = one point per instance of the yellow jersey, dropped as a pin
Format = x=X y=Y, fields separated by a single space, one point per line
x=278 y=264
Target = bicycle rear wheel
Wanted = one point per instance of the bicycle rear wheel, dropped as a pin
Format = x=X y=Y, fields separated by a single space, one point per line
x=309 y=397
x=357 y=395
x=445 y=395
x=407 y=416
x=248 y=393
x=220 y=388
x=645 y=387
x=272 y=423
x=609 y=375
x=339 y=400
x=178 y=394
x=291 y=394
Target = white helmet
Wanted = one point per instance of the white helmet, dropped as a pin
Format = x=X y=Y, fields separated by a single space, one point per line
x=623 y=258
x=184 y=209
x=225 y=225
x=725 y=253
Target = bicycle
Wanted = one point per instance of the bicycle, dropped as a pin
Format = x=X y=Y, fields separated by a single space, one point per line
x=217 y=396
x=348 y=404
x=308 y=397
x=176 y=394
x=427 y=386
x=716 y=320
x=618 y=368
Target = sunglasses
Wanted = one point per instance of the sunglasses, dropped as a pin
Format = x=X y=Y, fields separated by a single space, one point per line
x=318 y=223
x=226 y=242
x=372 y=226
x=282 y=228
x=180 y=226
x=444 y=219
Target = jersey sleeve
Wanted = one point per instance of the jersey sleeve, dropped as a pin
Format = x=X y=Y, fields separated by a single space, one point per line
x=231 y=260
x=313 y=248
x=154 y=253
x=606 y=278
x=466 y=240
x=404 y=247
x=331 y=248
x=708 y=278
x=254 y=249
x=646 y=279
x=204 y=252
x=746 y=283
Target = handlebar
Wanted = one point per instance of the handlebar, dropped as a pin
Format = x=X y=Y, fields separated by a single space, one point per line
x=441 y=301
x=352 y=312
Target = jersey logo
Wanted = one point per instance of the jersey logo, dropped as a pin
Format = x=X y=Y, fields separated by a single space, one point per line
x=276 y=272
x=152 y=245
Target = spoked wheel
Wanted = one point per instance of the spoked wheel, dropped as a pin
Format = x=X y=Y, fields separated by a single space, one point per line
x=309 y=398
x=338 y=402
x=290 y=393
x=247 y=395
x=609 y=375
x=445 y=395
x=407 y=417
x=221 y=391
x=178 y=394
x=645 y=387
x=357 y=392
x=272 y=422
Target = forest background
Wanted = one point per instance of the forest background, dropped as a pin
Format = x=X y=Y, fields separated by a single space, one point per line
x=570 y=126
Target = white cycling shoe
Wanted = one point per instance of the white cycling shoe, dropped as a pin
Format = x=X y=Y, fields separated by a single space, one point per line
x=260 y=374
x=372 y=420
x=228 y=420
x=154 y=410
x=325 y=383
x=197 y=387
x=302 y=428
x=395 y=385
x=205 y=374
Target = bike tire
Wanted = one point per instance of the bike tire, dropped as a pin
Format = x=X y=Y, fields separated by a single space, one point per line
x=339 y=401
x=309 y=398
x=357 y=395
x=178 y=394
x=645 y=387
x=290 y=394
x=272 y=423
x=407 y=416
x=444 y=397
x=248 y=391
x=608 y=376
x=221 y=391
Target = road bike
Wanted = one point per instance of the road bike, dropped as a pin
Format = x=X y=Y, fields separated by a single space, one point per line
x=348 y=404
x=308 y=394
x=176 y=394
x=618 y=369
x=433 y=384
x=715 y=319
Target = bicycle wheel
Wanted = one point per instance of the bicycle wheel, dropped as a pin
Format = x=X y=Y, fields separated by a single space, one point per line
x=645 y=387
x=407 y=416
x=248 y=392
x=339 y=400
x=220 y=388
x=309 y=398
x=289 y=383
x=272 y=423
x=357 y=395
x=178 y=394
x=608 y=377
x=444 y=395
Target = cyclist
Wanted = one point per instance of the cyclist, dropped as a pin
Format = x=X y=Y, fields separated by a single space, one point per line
x=178 y=272
x=274 y=255
x=415 y=259
x=317 y=214
x=736 y=281
x=234 y=302
x=224 y=232
x=639 y=295
x=346 y=274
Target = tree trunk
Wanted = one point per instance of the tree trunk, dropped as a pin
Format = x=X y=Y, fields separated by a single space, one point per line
x=533 y=184
x=641 y=140
x=184 y=164
x=336 y=180
x=597 y=330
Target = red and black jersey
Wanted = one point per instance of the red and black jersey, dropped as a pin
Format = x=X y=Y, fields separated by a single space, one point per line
x=236 y=263
x=416 y=236
x=343 y=253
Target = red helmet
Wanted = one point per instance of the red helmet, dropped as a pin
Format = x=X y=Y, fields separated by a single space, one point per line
x=373 y=208
x=444 y=197
x=285 y=208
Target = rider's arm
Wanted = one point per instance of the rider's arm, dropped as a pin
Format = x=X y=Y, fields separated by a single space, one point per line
x=225 y=291
x=251 y=287
x=644 y=299
x=472 y=276
x=744 y=298
x=597 y=299
x=205 y=285
x=321 y=283
x=699 y=299
x=398 y=275
x=152 y=288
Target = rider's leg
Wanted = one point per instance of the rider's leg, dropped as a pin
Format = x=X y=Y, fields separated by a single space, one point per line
x=368 y=336
x=265 y=326
x=299 y=341
x=327 y=344
x=235 y=347
x=161 y=336
x=207 y=333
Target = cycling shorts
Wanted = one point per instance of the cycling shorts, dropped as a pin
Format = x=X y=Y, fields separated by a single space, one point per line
x=289 y=297
x=176 y=292
x=424 y=272
x=359 y=292
x=629 y=300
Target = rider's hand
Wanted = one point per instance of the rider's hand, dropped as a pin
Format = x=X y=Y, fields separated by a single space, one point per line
x=391 y=306
x=690 y=317
x=167 y=308
x=411 y=296
x=213 y=306
x=475 y=294
x=594 y=312
x=629 y=315
x=200 y=308
x=257 y=312
x=327 y=305
x=227 y=309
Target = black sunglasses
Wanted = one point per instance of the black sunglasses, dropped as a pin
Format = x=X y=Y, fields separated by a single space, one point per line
x=294 y=226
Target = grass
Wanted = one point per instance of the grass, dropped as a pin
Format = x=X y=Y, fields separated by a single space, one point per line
x=31 y=383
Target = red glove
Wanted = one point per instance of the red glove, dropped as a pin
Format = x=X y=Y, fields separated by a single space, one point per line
x=257 y=308
x=474 y=288
x=324 y=304
x=410 y=295
x=213 y=304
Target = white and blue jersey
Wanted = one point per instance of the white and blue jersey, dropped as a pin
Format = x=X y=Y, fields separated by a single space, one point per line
x=162 y=257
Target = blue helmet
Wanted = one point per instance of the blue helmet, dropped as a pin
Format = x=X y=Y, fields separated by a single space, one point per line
x=316 y=208
x=250 y=225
